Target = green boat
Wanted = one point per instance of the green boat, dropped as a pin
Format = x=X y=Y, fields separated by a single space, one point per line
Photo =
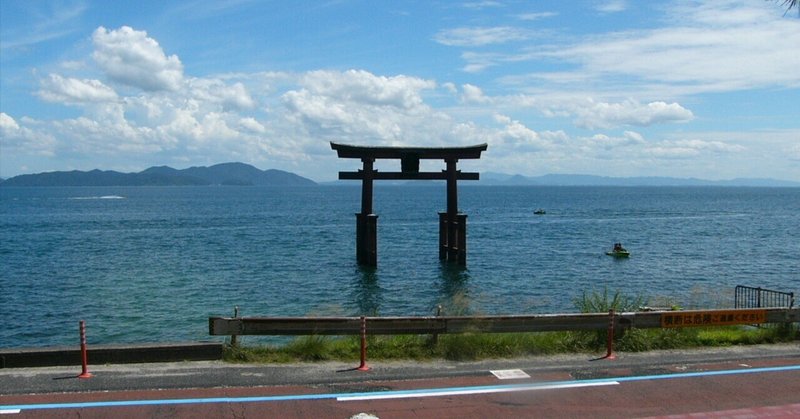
x=618 y=251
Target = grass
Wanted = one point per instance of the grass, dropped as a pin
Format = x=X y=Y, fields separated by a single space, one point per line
x=468 y=347
x=476 y=346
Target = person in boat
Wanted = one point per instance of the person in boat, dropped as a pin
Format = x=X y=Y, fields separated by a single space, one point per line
x=618 y=247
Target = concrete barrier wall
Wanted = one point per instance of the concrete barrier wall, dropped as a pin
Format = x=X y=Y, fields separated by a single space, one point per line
x=110 y=354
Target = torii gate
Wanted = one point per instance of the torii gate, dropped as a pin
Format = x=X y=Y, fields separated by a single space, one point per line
x=452 y=224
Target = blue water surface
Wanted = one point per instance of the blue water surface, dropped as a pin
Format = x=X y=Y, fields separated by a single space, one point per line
x=149 y=264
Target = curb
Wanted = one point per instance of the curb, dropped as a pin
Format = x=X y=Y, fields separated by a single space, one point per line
x=111 y=354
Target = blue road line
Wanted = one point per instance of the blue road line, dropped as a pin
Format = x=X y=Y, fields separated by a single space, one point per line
x=399 y=393
x=116 y=403
x=709 y=373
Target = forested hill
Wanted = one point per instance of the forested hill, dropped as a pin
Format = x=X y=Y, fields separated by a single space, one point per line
x=221 y=174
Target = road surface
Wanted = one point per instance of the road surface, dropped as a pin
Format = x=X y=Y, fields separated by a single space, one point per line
x=758 y=381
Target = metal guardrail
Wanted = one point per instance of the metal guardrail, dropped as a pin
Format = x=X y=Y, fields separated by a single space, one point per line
x=750 y=297
x=228 y=326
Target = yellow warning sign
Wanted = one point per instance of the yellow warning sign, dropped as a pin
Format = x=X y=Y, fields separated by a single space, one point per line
x=712 y=318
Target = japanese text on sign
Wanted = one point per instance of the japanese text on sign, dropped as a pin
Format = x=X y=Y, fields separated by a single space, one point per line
x=713 y=318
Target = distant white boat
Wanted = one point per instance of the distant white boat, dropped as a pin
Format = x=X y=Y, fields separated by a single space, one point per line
x=99 y=197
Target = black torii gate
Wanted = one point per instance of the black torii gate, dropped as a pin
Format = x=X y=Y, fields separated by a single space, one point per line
x=452 y=224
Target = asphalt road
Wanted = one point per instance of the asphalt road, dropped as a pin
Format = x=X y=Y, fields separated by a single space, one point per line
x=756 y=381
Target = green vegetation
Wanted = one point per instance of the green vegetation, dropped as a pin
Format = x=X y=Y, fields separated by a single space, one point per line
x=475 y=346
x=597 y=302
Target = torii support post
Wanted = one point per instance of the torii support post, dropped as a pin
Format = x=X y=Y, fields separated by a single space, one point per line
x=452 y=224
x=366 y=221
x=453 y=228
x=453 y=238
x=367 y=239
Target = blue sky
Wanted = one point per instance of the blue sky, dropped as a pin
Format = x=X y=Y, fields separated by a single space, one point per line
x=612 y=88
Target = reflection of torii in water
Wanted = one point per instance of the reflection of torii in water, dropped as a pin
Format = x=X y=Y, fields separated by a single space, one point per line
x=452 y=224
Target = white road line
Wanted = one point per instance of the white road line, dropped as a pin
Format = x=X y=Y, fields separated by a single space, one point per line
x=467 y=391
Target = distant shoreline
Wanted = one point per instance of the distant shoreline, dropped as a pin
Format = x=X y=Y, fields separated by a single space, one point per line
x=240 y=174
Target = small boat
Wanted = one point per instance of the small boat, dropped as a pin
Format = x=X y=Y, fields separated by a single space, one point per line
x=618 y=251
x=540 y=212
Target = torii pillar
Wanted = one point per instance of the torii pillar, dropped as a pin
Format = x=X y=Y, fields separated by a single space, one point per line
x=452 y=223
x=366 y=220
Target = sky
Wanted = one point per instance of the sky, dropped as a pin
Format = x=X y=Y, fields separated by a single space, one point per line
x=703 y=89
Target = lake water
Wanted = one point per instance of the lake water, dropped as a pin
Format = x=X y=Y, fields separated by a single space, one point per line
x=150 y=264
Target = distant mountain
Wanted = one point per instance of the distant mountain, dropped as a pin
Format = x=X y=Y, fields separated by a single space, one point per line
x=236 y=174
x=490 y=178
x=243 y=174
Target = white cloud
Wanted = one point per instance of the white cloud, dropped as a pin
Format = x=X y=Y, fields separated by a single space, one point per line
x=203 y=118
x=16 y=137
x=329 y=117
x=131 y=57
x=473 y=94
x=107 y=132
x=215 y=126
x=181 y=124
x=450 y=88
x=515 y=137
x=359 y=86
x=700 y=47
x=629 y=112
x=477 y=62
x=708 y=59
x=478 y=5
x=536 y=16
x=587 y=112
x=250 y=124
x=216 y=91
x=611 y=6
x=705 y=50
x=628 y=139
x=475 y=37
x=634 y=137
x=8 y=124
x=69 y=90
x=73 y=65
x=691 y=148
x=502 y=119
x=360 y=105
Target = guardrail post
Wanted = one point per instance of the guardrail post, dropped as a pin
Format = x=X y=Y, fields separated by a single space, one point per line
x=438 y=314
x=84 y=362
x=363 y=366
x=610 y=339
x=234 y=338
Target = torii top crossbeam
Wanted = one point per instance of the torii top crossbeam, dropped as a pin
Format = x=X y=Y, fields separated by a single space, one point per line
x=409 y=158
x=346 y=151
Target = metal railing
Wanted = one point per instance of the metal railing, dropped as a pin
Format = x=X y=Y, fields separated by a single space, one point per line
x=750 y=297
